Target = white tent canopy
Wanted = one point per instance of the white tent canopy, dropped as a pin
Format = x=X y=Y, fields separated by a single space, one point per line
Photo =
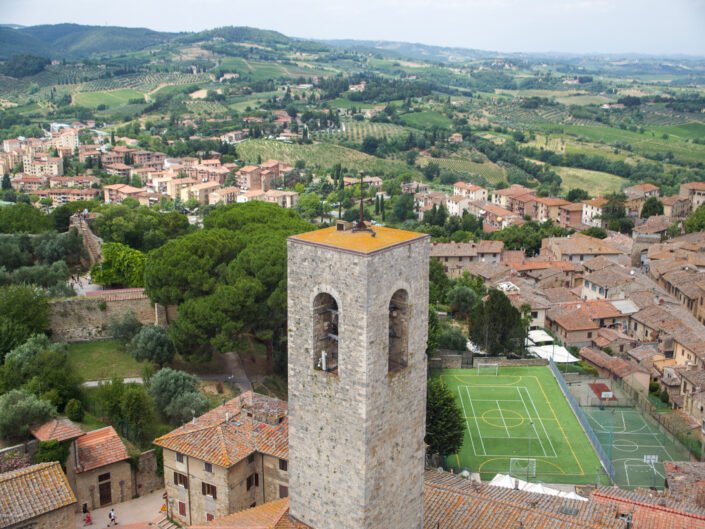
x=508 y=482
x=539 y=337
x=557 y=353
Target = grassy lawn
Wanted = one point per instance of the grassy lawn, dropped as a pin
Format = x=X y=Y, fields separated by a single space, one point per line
x=112 y=98
x=594 y=182
x=103 y=359
x=489 y=170
x=426 y=119
x=520 y=413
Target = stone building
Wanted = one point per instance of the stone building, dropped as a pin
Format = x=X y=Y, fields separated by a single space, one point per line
x=358 y=309
x=231 y=458
x=103 y=475
x=36 y=497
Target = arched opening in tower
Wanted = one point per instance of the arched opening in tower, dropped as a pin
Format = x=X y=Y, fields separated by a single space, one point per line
x=325 y=333
x=398 y=331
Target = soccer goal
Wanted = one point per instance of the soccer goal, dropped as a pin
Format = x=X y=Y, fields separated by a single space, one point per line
x=522 y=467
x=487 y=368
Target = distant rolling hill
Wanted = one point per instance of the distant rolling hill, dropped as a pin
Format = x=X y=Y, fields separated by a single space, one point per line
x=76 y=41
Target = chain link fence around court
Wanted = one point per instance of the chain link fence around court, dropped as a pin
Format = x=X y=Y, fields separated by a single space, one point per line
x=670 y=422
x=582 y=418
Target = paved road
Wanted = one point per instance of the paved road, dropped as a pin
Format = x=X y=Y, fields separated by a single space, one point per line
x=127 y=380
x=145 y=510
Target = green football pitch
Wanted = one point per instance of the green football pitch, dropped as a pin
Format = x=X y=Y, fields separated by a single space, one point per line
x=515 y=416
x=627 y=437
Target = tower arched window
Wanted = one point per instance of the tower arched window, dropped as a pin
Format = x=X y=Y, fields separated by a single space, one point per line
x=325 y=333
x=398 y=331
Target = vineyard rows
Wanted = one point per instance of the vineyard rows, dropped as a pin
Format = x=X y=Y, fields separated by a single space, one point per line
x=356 y=131
x=144 y=82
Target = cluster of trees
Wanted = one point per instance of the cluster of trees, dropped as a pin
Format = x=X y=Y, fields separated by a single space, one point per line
x=228 y=279
x=23 y=65
x=149 y=343
x=139 y=227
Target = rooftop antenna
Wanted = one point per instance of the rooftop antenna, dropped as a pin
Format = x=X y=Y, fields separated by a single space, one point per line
x=361 y=226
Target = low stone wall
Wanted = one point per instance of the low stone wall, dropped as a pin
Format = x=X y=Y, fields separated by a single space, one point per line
x=445 y=360
x=86 y=318
x=145 y=474
x=509 y=362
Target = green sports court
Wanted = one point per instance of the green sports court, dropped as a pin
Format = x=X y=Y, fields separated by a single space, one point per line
x=519 y=422
x=627 y=437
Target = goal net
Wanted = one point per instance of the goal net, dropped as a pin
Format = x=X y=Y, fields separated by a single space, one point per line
x=487 y=369
x=522 y=467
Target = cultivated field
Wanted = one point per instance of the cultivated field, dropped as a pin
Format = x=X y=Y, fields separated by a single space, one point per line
x=113 y=98
x=320 y=155
x=594 y=182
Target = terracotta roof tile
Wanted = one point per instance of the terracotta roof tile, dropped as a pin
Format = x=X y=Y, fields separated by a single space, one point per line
x=100 y=448
x=33 y=491
x=60 y=429
x=229 y=433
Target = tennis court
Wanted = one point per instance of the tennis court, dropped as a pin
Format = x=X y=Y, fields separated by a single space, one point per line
x=519 y=422
x=627 y=437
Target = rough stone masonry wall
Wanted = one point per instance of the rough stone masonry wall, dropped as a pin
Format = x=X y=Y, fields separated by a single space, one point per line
x=356 y=452
x=146 y=478
x=86 y=318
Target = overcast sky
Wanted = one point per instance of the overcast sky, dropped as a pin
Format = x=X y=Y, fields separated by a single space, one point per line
x=584 y=26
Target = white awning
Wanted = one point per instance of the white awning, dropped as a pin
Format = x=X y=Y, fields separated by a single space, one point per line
x=539 y=336
x=508 y=482
x=557 y=353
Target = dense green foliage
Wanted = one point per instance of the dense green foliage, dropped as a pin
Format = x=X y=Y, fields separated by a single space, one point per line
x=23 y=65
x=695 y=221
x=24 y=311
x=445 y=426
x=121 y=266
x=176 y=395
x=231 y=278
x=50 y=451
x=23 y=218
x=496 y=326
x=153 y=344
x=20 y=411
x=139 y=228
x=652 y=206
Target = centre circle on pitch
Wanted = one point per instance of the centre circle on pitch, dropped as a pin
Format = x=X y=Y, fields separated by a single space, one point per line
x=503 y=418
x=625 y=445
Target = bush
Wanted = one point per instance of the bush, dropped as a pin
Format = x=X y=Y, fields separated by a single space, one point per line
x=153 y=344
x=664 y=397
x=50 y=451
x=653 y=387
x=124 y=328
x=453 y=339
x=74 y=410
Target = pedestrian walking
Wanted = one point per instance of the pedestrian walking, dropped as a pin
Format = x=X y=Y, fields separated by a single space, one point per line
x=112 y=518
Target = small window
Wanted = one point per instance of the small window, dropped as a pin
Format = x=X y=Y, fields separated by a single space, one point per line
x=179 y=457
x=104 y=477
x=589 y=334
x=283 y=465
x=182 y=508
x=209 y=490
x=251 y=458
x=283 y=491
x=250 y=481
x=180 y=480
x=208 y=467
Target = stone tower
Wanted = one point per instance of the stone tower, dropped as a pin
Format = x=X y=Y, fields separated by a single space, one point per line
x=358 y=316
